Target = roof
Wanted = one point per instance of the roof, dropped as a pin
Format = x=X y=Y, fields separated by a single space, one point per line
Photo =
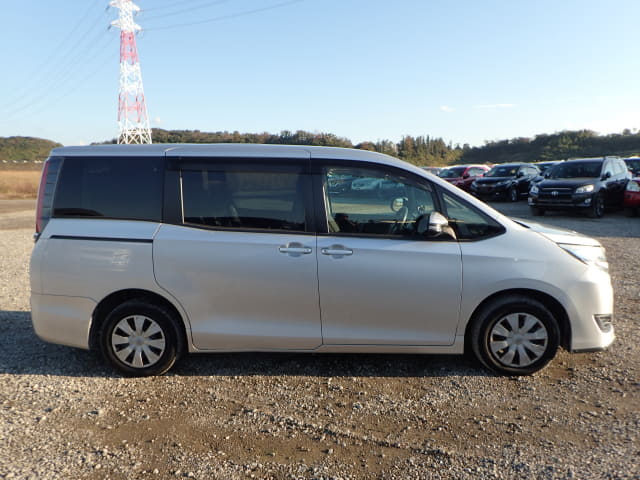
x=237 y=150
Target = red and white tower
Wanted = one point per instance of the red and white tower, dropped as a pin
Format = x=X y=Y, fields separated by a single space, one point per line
x=132 y=110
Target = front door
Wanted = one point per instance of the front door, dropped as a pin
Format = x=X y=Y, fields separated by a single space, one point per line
x=380 y=282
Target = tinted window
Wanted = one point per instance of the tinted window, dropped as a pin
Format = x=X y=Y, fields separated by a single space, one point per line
x=377 y=203
x=270 y=199
x=110 y=187
x=633 y=164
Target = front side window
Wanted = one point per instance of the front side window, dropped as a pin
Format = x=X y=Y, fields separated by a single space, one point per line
x=376 y=202
x=232 y=197
x=468 y=222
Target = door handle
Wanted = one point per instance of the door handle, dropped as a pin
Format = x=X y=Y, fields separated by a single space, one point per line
x=337 y=251
x=295 y=249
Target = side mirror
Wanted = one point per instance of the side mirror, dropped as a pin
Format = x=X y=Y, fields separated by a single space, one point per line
x=435 y=225
x=606 y=175
x=466 y=175
x=520 y=174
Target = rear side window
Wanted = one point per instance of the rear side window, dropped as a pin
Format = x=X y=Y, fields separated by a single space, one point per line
x=263 y=198
x=110 y=187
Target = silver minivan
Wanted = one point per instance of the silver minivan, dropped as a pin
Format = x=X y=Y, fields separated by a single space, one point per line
x=146 y=252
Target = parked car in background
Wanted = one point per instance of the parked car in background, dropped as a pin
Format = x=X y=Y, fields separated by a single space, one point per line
x=632 y=196
x=434 y=170
x=633 y=164
x=590 y=184
x=544 y=167
x=462 y=176
x=340 y=183
x=507 y=181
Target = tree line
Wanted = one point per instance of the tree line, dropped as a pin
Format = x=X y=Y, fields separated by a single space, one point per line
x=420 y=150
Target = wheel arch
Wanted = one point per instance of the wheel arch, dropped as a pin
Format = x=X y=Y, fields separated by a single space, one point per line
x=554 y=306
x=114 y=299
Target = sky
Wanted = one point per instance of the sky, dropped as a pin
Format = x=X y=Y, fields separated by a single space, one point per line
x=468 y=71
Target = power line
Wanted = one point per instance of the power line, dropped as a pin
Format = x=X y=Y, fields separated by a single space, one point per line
x=225 y=17
x=45 y=71
x=62 y=79
x=179 y=4
x=185 y=10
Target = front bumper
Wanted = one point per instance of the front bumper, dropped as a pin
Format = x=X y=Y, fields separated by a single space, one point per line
x=575 y=200
x=591 y=312
x=490 y=191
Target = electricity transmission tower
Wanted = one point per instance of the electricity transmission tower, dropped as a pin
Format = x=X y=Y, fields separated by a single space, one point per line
x=133 y=120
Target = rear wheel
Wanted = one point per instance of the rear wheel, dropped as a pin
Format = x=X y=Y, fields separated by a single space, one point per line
x=141 y=339
x=515 y=335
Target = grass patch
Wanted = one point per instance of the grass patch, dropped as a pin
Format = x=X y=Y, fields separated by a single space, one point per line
x=19 y=184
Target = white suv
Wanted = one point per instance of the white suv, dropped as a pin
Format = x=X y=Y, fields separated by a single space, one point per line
x=149 y=251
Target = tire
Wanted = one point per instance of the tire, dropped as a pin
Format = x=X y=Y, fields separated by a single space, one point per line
x=141 y=339
x=515 y=335
x=537 y=211
x=597 y=206
x=513 y=194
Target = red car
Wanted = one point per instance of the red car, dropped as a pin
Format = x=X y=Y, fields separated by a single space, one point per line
x=632 y=196
x=462 y=176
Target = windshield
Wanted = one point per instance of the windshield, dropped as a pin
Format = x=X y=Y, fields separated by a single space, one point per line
x=576 y=170
x=544 y=166
x=502 y=171
x=452 y=172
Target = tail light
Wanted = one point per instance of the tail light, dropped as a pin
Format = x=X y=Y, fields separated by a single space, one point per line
x=48 y=180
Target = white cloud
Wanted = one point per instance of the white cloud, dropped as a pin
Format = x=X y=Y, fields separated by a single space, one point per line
x=497 y=105
x=446 y=108
x=157 y=121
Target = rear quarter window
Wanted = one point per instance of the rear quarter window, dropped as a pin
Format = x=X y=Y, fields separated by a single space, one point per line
x=128 y=188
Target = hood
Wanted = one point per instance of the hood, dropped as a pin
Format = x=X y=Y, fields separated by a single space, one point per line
x=567 y=182
x=558 y=235
x=493 y=179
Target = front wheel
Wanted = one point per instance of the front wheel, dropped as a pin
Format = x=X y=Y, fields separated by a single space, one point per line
x=141 y=339
x=597 y=206
x=513 y=194
x=515 y=335
x=537 y=211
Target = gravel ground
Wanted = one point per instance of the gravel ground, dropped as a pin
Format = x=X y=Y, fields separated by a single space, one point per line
x=64 y=414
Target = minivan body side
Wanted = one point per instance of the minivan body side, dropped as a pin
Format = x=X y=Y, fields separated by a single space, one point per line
x=254 y=252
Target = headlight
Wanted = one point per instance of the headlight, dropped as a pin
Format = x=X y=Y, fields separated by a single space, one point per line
x=633 y=186
x=534 y=189
x=588 y=254
x=585 y=189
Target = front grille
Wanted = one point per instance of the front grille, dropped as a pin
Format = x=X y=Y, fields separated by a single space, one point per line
x=555 y=193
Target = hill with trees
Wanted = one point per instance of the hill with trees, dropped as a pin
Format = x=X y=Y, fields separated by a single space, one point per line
x=25 y=149
x=556 y=146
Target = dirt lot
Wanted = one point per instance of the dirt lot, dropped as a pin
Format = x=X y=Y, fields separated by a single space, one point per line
x=64 y=414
